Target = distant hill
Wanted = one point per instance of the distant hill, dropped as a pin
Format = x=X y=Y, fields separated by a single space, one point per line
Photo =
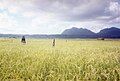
x=78 y=31
x=74 y=32
x=112 y=32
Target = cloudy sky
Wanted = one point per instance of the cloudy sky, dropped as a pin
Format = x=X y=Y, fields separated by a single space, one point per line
x=54 y=16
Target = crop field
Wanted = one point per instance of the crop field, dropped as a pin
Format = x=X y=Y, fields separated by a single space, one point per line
x=69 y=60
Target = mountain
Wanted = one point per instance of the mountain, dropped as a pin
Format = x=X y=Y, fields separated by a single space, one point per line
x=74 y=32
x=112 y=32
x=78 y=31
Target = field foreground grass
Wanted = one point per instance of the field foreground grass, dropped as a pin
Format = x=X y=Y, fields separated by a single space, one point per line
x=71 y=60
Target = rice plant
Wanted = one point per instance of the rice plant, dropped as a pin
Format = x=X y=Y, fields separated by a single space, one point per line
x=74 y=60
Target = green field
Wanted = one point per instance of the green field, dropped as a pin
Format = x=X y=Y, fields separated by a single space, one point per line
x=71 y=60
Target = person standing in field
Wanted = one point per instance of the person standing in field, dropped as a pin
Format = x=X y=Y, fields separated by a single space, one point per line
x=53 y=42
x=23 y=39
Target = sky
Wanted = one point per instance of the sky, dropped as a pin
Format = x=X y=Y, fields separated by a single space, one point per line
x=54 y=16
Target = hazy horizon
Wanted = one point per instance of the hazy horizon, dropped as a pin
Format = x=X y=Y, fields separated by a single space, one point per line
x=54 y=16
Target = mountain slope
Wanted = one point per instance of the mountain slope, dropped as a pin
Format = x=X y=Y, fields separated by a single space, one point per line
x=112 y=32
x=78 y=31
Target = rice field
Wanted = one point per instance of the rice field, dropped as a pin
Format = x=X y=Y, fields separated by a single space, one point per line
x=69 y=60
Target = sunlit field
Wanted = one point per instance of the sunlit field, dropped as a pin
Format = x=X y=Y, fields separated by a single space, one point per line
x=69 y=60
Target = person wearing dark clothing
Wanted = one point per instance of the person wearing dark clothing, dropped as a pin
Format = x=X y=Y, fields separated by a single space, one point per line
x=23 y=39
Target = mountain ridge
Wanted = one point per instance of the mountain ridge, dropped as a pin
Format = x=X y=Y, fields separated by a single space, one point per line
x=77 y=31
x=112 y=32
x=73 y=32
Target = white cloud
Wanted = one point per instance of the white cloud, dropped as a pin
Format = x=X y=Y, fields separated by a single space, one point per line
x=6 y=20
x=53 y=16
x=114 y=8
